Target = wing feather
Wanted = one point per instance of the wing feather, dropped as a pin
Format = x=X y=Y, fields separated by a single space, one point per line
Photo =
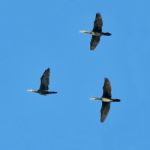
x=94 y=42
x=98 y=23
x=45 y=80
x=107 y=88
x=104 y=110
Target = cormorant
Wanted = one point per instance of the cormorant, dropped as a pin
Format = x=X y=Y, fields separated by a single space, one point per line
x=43 y=90
x=106 y=99
x=96 y=32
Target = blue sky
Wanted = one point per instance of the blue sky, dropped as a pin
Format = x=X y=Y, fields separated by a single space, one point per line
x=37 y=34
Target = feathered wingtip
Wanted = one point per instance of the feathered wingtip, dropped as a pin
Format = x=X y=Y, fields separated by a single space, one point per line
x=98 y=14
x=106 y=79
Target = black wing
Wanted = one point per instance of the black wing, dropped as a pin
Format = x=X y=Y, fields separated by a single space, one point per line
x=45 y=80
x=106 y=89
x=98 y=23
x=94 y=42
x=104 y=110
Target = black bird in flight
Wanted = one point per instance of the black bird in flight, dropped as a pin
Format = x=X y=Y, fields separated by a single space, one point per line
x=96 y=32
x=106 y=99
x=43 y=90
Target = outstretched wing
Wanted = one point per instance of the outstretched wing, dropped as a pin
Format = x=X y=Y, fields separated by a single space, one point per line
x=94 y=42
x=98 y=23
x=107 y=88
x=104 y=110
x=45 y=80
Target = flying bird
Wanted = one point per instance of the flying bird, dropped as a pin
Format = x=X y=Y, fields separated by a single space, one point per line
x=43 y=90
x=106 y=99
x=96 y=32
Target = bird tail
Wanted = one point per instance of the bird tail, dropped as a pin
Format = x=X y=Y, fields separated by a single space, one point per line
x=116 y=100
x=106 y=33
x=53 y=92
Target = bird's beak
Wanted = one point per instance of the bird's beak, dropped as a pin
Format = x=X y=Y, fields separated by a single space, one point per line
x=84 y=32
x=93 y=98
x=29 y=90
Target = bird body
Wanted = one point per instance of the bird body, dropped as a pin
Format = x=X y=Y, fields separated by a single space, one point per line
x=43 y=90
x=96 y=32
x=46 y=92
x=103 y=99
x=106 y=99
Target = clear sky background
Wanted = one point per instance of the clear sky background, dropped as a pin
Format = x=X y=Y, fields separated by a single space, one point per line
x=35 y=35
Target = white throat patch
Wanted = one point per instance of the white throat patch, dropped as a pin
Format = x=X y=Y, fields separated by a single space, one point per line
x=106 y=100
